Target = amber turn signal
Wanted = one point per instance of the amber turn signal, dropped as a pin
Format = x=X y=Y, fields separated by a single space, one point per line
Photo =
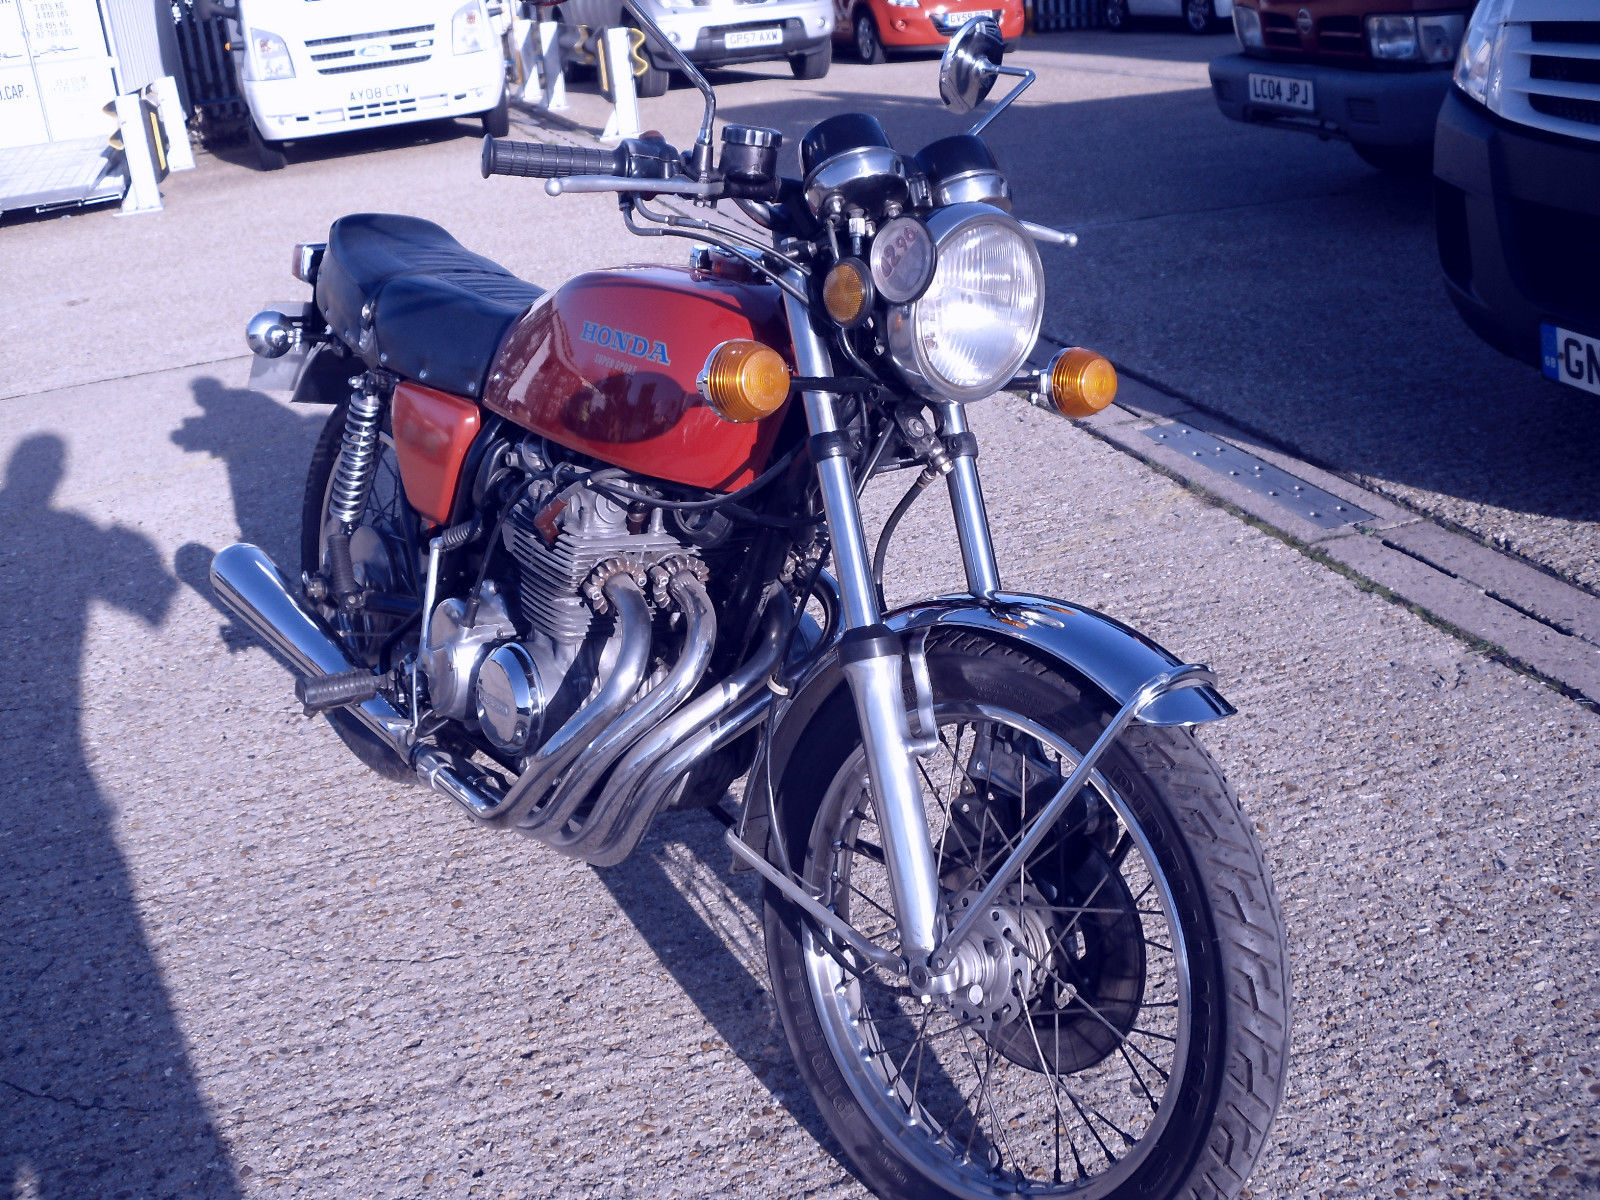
x=744 y=381
x=1079 y=382
x=847 y=292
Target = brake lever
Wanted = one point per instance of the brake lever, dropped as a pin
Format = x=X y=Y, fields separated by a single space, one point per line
x=1050 y=237
x=697 y=188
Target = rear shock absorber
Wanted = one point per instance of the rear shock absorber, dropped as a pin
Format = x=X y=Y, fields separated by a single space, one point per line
x=352 y=484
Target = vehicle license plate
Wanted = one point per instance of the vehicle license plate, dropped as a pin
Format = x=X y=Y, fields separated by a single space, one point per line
x=955 y=20
x=743 y=39
x=1571 y=358
x=1282 y=91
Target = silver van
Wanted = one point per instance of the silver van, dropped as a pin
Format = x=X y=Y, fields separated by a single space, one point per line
x=711 y=33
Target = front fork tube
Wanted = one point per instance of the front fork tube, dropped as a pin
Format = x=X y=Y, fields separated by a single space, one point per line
x=966 y=501
x=872 y=664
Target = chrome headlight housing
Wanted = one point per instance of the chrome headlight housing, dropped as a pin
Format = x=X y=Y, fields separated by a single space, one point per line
x=968 y=333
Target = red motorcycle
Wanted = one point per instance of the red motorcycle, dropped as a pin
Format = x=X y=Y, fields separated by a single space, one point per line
x=573 y=558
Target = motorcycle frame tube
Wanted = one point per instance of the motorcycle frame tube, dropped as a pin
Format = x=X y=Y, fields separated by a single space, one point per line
x=874 y=670
x=966 y=504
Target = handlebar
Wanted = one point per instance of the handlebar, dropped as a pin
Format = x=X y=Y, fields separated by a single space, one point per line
x=534 y=160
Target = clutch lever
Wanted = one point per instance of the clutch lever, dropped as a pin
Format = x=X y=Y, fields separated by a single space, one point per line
x=1050 y=237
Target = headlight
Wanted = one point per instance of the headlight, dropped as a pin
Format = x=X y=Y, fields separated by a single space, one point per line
x=269 y=56
x=1440 y=37
x=469 y=29
x=1247 y=27
x=1415 y=39
x=965 y=336
x=1392 y=38
x=1478 y=67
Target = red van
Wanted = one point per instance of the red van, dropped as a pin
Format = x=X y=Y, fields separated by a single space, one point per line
x=874 y=27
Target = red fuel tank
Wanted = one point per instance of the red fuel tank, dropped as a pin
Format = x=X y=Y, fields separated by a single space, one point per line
x=606 y=365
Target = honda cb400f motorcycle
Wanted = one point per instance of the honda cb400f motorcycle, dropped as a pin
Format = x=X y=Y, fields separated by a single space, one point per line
x=573 y=558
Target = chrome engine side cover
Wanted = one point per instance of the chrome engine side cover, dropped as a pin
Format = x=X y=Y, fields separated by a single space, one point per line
x=454 y=649
x=509 y=698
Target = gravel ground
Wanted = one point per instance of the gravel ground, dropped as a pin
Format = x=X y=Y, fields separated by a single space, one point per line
x=234 y=965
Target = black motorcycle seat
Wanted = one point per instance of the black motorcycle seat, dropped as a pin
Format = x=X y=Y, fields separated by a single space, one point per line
x=411 y=299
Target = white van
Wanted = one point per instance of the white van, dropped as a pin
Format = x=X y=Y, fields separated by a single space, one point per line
x=314 y=67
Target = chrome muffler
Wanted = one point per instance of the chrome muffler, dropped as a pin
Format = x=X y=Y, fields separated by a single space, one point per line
x=249 y=586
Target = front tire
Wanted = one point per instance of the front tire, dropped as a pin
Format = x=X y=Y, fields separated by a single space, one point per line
x=1399 y=161
x=1198 y=15
x=814 y=65
x=497 y=121
x=1129 y=1037
x=869 y=46
x=268 y=154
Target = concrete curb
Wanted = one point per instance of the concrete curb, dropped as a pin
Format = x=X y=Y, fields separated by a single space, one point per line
x=1529 y=618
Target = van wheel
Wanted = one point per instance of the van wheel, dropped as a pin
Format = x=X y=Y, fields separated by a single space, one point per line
x=497 y=121
x=1116 y=14
x=869 y=47
x=269 y=154
x=814 y=65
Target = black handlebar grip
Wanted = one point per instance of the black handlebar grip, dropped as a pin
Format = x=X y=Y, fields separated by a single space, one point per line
x=534 y=160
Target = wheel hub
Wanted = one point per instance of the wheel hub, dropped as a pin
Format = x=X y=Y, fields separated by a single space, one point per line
x=994 y=973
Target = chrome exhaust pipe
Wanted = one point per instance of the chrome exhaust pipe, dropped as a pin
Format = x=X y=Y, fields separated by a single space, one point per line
x=530 y=805
x=677 y=582
x=650 y=775
x=249 y=586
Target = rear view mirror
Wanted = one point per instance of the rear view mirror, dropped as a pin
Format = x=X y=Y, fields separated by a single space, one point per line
x=971 y=65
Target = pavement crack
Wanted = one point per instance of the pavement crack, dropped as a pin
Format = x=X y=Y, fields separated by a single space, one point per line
x=73 y=1101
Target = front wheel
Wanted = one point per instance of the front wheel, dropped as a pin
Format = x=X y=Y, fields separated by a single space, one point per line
x=497 y=121
x=814 y=65
x=1198 y=15
x=268 y=154
x=1116 y=14
x=869 y=46
x=1396 y=160
x=1121 y=1025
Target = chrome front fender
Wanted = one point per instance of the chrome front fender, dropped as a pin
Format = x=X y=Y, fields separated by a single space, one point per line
x=1103 y=654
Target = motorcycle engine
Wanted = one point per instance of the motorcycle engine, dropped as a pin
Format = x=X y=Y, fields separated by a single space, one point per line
x=522 y=659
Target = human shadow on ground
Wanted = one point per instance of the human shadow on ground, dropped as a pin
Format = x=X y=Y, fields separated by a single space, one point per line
x=267 y=449
x=95 y=1083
